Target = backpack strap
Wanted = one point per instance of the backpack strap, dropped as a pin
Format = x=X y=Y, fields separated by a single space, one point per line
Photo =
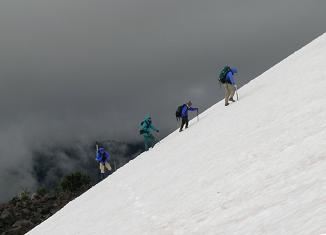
x=147 y=124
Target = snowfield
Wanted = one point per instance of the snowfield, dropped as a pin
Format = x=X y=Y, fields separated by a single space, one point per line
x=257 y=166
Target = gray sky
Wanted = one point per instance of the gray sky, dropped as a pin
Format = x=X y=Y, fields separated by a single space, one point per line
x=77 y=69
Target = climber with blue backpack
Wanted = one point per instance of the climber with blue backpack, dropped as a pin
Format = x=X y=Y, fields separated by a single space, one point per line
x=182 y=112
x=146 y=127
x=226 y=77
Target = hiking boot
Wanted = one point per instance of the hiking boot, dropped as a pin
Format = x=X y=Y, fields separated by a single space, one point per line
x=231 y=99
x=102 y=176
x=227 y=104
x=180 y=130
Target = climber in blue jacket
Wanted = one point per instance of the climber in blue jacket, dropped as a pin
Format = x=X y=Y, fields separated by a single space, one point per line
x=184 y=114
x=230 y=86
x=103 y=157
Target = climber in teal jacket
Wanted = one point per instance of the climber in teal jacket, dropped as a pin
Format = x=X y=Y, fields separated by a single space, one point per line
x=146 y=127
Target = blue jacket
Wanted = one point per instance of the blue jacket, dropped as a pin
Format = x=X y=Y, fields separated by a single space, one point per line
x=102 y=155
x=147 y=126
x=229 y=76
x=184 y=111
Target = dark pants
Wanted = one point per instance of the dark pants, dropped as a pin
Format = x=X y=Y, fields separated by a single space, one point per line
x=184 y=121
x=149 y=141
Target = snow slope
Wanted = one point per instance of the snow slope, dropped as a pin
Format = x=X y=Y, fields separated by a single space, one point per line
x=255 y=167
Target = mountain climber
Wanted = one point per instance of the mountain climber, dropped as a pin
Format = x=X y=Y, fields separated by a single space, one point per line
x=184 y=114
x=102 y=157
x=230 y=85
x=146 y=127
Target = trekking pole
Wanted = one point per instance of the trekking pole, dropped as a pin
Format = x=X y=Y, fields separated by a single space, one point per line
x=236 y=92
x=96 y=146
x=197 y=116
x=158 y=137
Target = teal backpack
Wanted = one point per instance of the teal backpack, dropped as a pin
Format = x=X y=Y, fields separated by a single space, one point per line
x=223 y=73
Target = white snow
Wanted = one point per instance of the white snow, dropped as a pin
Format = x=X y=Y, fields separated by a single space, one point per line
x=257 y=166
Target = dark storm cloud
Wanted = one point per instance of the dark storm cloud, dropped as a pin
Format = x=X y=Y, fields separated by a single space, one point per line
x=76 y=69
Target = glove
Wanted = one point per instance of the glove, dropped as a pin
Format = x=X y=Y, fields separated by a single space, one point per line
x=157 y=131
